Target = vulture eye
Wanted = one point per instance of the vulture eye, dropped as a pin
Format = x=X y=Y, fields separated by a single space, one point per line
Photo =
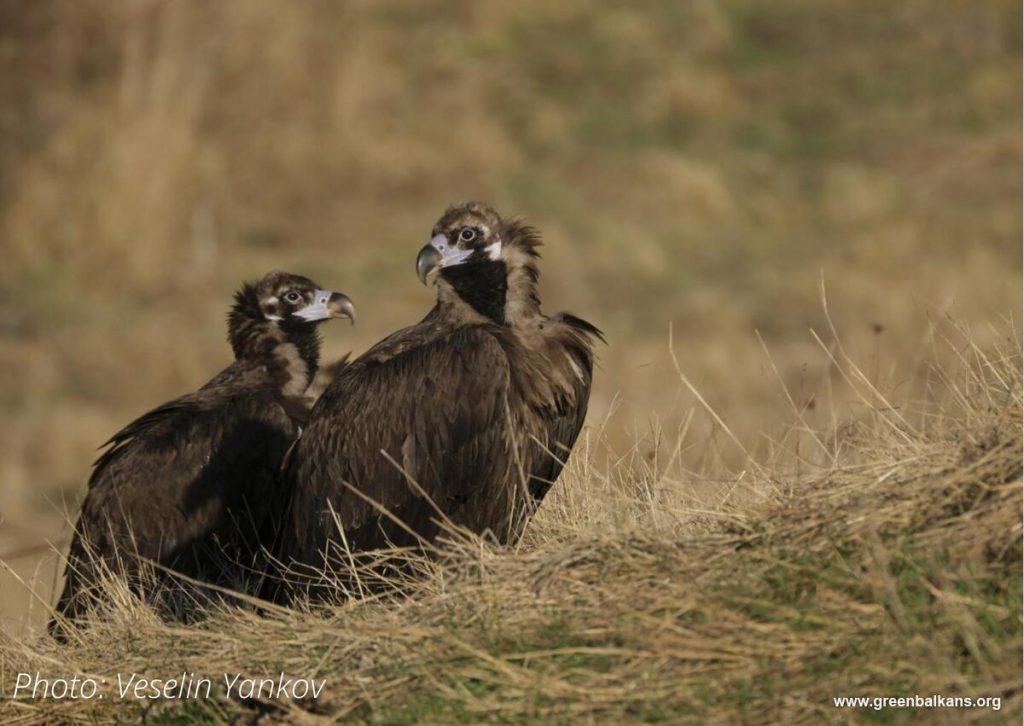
x=467 y=234
x=292 y=297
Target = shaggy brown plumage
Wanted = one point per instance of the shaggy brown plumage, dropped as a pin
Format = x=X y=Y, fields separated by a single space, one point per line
x=467 y=416
x=189 y=485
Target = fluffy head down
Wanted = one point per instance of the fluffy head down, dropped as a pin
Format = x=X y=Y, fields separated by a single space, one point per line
x=487 y=262
x=283 y=305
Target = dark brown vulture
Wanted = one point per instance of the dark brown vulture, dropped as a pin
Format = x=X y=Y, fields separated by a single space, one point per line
x=190 y=484
x=467 y=416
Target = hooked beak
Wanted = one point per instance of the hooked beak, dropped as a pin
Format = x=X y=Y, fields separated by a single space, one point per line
x=437 y=255
x=327 y=304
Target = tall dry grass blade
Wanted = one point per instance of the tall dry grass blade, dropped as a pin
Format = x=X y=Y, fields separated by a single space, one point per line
x=348 y=551
x=797 y=410
x=853 y=368
x=707 y=407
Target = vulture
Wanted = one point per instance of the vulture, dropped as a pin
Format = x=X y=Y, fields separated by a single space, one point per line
x=190 y=485
x=464 y=419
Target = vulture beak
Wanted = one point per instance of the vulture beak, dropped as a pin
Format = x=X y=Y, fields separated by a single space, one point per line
x=438 y=255
x=327 y=304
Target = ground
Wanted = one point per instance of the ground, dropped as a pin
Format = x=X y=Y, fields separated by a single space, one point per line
x=740 y=194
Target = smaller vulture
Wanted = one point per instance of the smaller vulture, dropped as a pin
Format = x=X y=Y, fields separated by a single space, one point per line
x=464 y=419
x=190 y=486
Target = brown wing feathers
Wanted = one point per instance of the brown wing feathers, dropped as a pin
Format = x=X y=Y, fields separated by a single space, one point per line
x=479 y=405
x=419 y=413
x=464 y=419
x=564 y=421
x=189 y=485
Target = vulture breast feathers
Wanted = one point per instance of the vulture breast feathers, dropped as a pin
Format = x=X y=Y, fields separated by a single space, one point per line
x=189 y=485
x=464 y=420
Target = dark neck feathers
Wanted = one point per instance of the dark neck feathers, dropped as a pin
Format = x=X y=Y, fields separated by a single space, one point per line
x=481 y=285
x=291 y=352
x=503 y=290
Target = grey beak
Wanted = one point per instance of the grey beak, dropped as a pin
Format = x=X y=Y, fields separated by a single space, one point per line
x=341 y=307
x=426 y=261
x=326 y=305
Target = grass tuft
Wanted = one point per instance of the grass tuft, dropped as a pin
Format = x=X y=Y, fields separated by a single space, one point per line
x=890 y=568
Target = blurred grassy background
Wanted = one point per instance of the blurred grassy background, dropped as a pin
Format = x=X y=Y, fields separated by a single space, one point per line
x=695 y=164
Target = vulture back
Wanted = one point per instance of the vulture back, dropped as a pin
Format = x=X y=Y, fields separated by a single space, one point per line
x=187 y=487
x=436 y=429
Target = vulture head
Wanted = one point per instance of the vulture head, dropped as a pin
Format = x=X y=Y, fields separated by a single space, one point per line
x=487 y=262
x=282 y=306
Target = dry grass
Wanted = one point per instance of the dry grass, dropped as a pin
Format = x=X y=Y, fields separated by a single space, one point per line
x=699 y=167
x=887 y=561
